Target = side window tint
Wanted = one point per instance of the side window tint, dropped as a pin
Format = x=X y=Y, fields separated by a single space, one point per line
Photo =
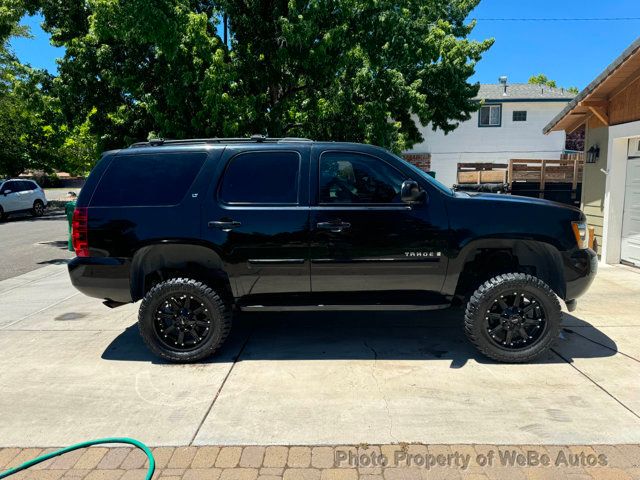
x=9 y=186
x=157 y=179
x=354 y=178
x=261 y=177
x=26 y=186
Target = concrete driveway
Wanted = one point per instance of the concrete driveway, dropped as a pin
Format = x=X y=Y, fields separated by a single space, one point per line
x=72 y=369
x=28 y=243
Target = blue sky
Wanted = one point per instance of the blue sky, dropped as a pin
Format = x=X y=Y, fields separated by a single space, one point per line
x=570 y=52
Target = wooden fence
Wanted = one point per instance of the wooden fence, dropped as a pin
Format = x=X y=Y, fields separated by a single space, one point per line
x=558 y=179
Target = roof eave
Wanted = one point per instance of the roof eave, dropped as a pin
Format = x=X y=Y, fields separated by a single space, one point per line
x=623 y=57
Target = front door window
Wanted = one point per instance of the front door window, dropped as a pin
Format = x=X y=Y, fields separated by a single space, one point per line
x=348 y=178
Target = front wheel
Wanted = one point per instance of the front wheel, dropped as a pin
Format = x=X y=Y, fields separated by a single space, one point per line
x=513 y=318
x=183 y=320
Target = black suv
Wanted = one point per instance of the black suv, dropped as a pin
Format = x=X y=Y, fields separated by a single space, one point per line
x=200 y=228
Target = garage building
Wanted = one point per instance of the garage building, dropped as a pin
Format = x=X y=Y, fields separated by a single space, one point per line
x=609 y=110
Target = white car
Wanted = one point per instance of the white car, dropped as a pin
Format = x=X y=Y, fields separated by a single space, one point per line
x=21 y=196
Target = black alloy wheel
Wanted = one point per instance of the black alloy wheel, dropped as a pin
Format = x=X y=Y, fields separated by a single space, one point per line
x=516 y=320
x=513 y=317
x=182 y=322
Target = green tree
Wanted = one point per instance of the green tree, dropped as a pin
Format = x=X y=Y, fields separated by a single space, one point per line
x=33 y=130
x=16 y=121
x=327 y=69
x=542 y=79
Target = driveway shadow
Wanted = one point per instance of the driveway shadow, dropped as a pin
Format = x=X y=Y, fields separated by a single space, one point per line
x=381 y=335
x=56 y=261
x=27 y=217
x=61 y=244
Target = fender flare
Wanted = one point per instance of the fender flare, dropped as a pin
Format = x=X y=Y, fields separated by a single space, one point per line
x=176 y=256
x=542 y=255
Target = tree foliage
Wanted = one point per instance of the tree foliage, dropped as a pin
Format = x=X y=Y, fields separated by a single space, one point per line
x=542 y=79
x=356 y=70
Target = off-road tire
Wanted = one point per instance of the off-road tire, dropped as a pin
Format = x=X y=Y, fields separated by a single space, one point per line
x=483 y=298
x=38 y=208
x=220 y=314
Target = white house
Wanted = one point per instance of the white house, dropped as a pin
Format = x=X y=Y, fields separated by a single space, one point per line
x=508 y=125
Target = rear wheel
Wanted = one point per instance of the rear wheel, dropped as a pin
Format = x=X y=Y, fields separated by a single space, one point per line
x=38 y=208
x=183 y=320
x=513 y=318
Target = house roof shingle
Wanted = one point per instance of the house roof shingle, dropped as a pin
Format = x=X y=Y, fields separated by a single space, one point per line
x=522 y=91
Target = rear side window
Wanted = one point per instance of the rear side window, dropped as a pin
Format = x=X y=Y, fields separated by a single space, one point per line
x=261 y=177
x=159 y=179
x=27 y=186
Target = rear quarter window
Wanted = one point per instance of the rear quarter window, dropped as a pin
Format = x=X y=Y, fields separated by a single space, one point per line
x=269 y=177
x=157 y=179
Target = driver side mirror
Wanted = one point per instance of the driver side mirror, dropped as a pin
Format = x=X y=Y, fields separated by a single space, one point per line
x=410 y=192
x=6 y=192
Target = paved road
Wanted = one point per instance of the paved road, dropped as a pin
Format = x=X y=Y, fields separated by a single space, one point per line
x=28 y=243
x=72 y=369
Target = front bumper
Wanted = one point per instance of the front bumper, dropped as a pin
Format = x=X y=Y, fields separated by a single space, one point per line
x=107 y=278
x=580 y=268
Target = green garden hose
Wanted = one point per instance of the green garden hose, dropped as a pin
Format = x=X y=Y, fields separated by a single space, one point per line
x=131 y=441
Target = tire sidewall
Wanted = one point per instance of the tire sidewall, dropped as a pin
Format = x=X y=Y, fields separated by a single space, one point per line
x=525 y=284
x=204 y=295
x=35 y=208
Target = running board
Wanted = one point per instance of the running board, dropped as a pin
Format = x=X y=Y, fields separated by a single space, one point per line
x=336 y=308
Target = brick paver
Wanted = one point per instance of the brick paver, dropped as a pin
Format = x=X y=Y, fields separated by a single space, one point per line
x=252 y=457
x=228 y=457
x=113 y=458
x=299 y=457
x=322 y=457
x=276 y=456
x=182 y=457
x=205 y=457
x=92 y=457
x=349 y=462
x=162 y=455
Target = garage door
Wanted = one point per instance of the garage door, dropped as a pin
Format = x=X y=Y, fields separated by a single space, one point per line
x=630 y=247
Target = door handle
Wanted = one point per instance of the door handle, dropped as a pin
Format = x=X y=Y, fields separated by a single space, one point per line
x=335 y=227
x=225 y=226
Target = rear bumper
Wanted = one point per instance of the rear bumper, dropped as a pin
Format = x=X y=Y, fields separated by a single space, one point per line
x=102 y=277
x=580 y=268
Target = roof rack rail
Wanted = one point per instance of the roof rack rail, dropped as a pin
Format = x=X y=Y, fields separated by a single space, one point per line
x=158 y=142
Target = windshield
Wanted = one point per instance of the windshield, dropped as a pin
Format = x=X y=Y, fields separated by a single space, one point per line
x=440 y=186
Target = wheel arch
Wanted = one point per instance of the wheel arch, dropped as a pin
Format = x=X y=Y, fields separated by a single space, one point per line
x=157 y=262
x=484 y=258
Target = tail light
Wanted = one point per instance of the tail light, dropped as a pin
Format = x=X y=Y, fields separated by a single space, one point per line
x=79 y=231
